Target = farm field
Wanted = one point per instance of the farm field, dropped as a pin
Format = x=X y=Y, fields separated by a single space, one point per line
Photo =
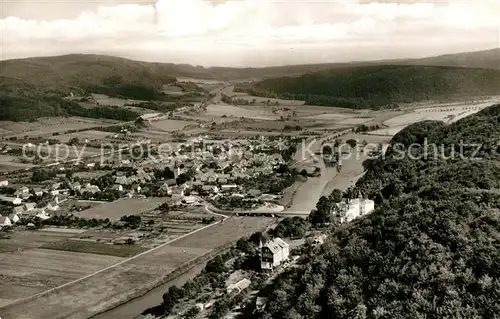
x=218 y=110
x=103 y=99
x=11 y=163
x=90 y=247
x=33 y=270
x=258 y=99
x=133 y=277
x=171 y=125
x=47 y=126
x=117 y=209
x=198 y=81
x=86 y=135
x=449 y=113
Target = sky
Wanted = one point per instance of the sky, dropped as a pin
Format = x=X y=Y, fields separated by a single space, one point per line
x=247 y=32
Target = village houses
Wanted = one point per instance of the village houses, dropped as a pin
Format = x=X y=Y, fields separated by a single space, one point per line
x=274 y=253
x=355 y=208
x=5 y=221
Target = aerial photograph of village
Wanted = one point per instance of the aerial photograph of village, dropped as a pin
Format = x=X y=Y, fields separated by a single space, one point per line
x=250 y=159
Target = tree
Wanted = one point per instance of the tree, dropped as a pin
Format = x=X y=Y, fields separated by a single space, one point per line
x=243 y=245
x=336 y=196
x=69 y=174
x=74 y=141
x=216 y=265
x=327 y=150
x=257 y=237
x=352 y=142
x=40 y=176
x=219 y=309
x=171 y=297
x=191 y=313
x=322 y=214
x=291 y=227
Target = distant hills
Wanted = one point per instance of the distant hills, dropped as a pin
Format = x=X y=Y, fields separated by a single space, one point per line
x=489 y=59
x=373 y=86
x=81 y=69
x=28 y=82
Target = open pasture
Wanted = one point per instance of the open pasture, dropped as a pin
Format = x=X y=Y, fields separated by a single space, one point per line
x=103 y=99
x=91 y=247
x=171 y=125
x=235 y=227
x=30 y=271
x=272 y=101
x=258 y=113
x=448 y=113
x=122 y=207
x=86 y=135
x=199 y=81
x=48 y=126
x=12 y=163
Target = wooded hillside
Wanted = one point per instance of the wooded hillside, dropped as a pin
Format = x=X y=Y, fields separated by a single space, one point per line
x=381 y=85
x=431 y=248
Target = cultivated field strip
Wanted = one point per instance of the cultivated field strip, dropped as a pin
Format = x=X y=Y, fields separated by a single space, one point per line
x=130 y=278
x=31 y=271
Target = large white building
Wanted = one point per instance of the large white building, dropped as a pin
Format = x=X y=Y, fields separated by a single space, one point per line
x=355 y=208
x=274 y=253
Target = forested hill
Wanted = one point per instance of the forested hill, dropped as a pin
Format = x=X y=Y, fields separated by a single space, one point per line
x=430 y=250
x=381 y=85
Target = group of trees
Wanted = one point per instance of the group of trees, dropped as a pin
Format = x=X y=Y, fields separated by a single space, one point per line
x=379 y=85
x=430 y=250
x=272 y=184
x=230 y=203
x=67 y=221
x=41 y=175
x=291 y=227
x=366 y=128
x=164 y=107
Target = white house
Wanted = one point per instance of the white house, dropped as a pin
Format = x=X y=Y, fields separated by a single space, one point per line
x=5 y=221
x=76 y=186
x=274 y=253
x=18 y=210
x=53 y=206
x=14 y=218
x=29 y=206
x=166 y=188
x=238 y=287
x=12 y=200
x=42 y=215
x=4 y=183
x=38 y=191
x=355 y=208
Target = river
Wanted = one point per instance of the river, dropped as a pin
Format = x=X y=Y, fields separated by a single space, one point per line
x=135 y=307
